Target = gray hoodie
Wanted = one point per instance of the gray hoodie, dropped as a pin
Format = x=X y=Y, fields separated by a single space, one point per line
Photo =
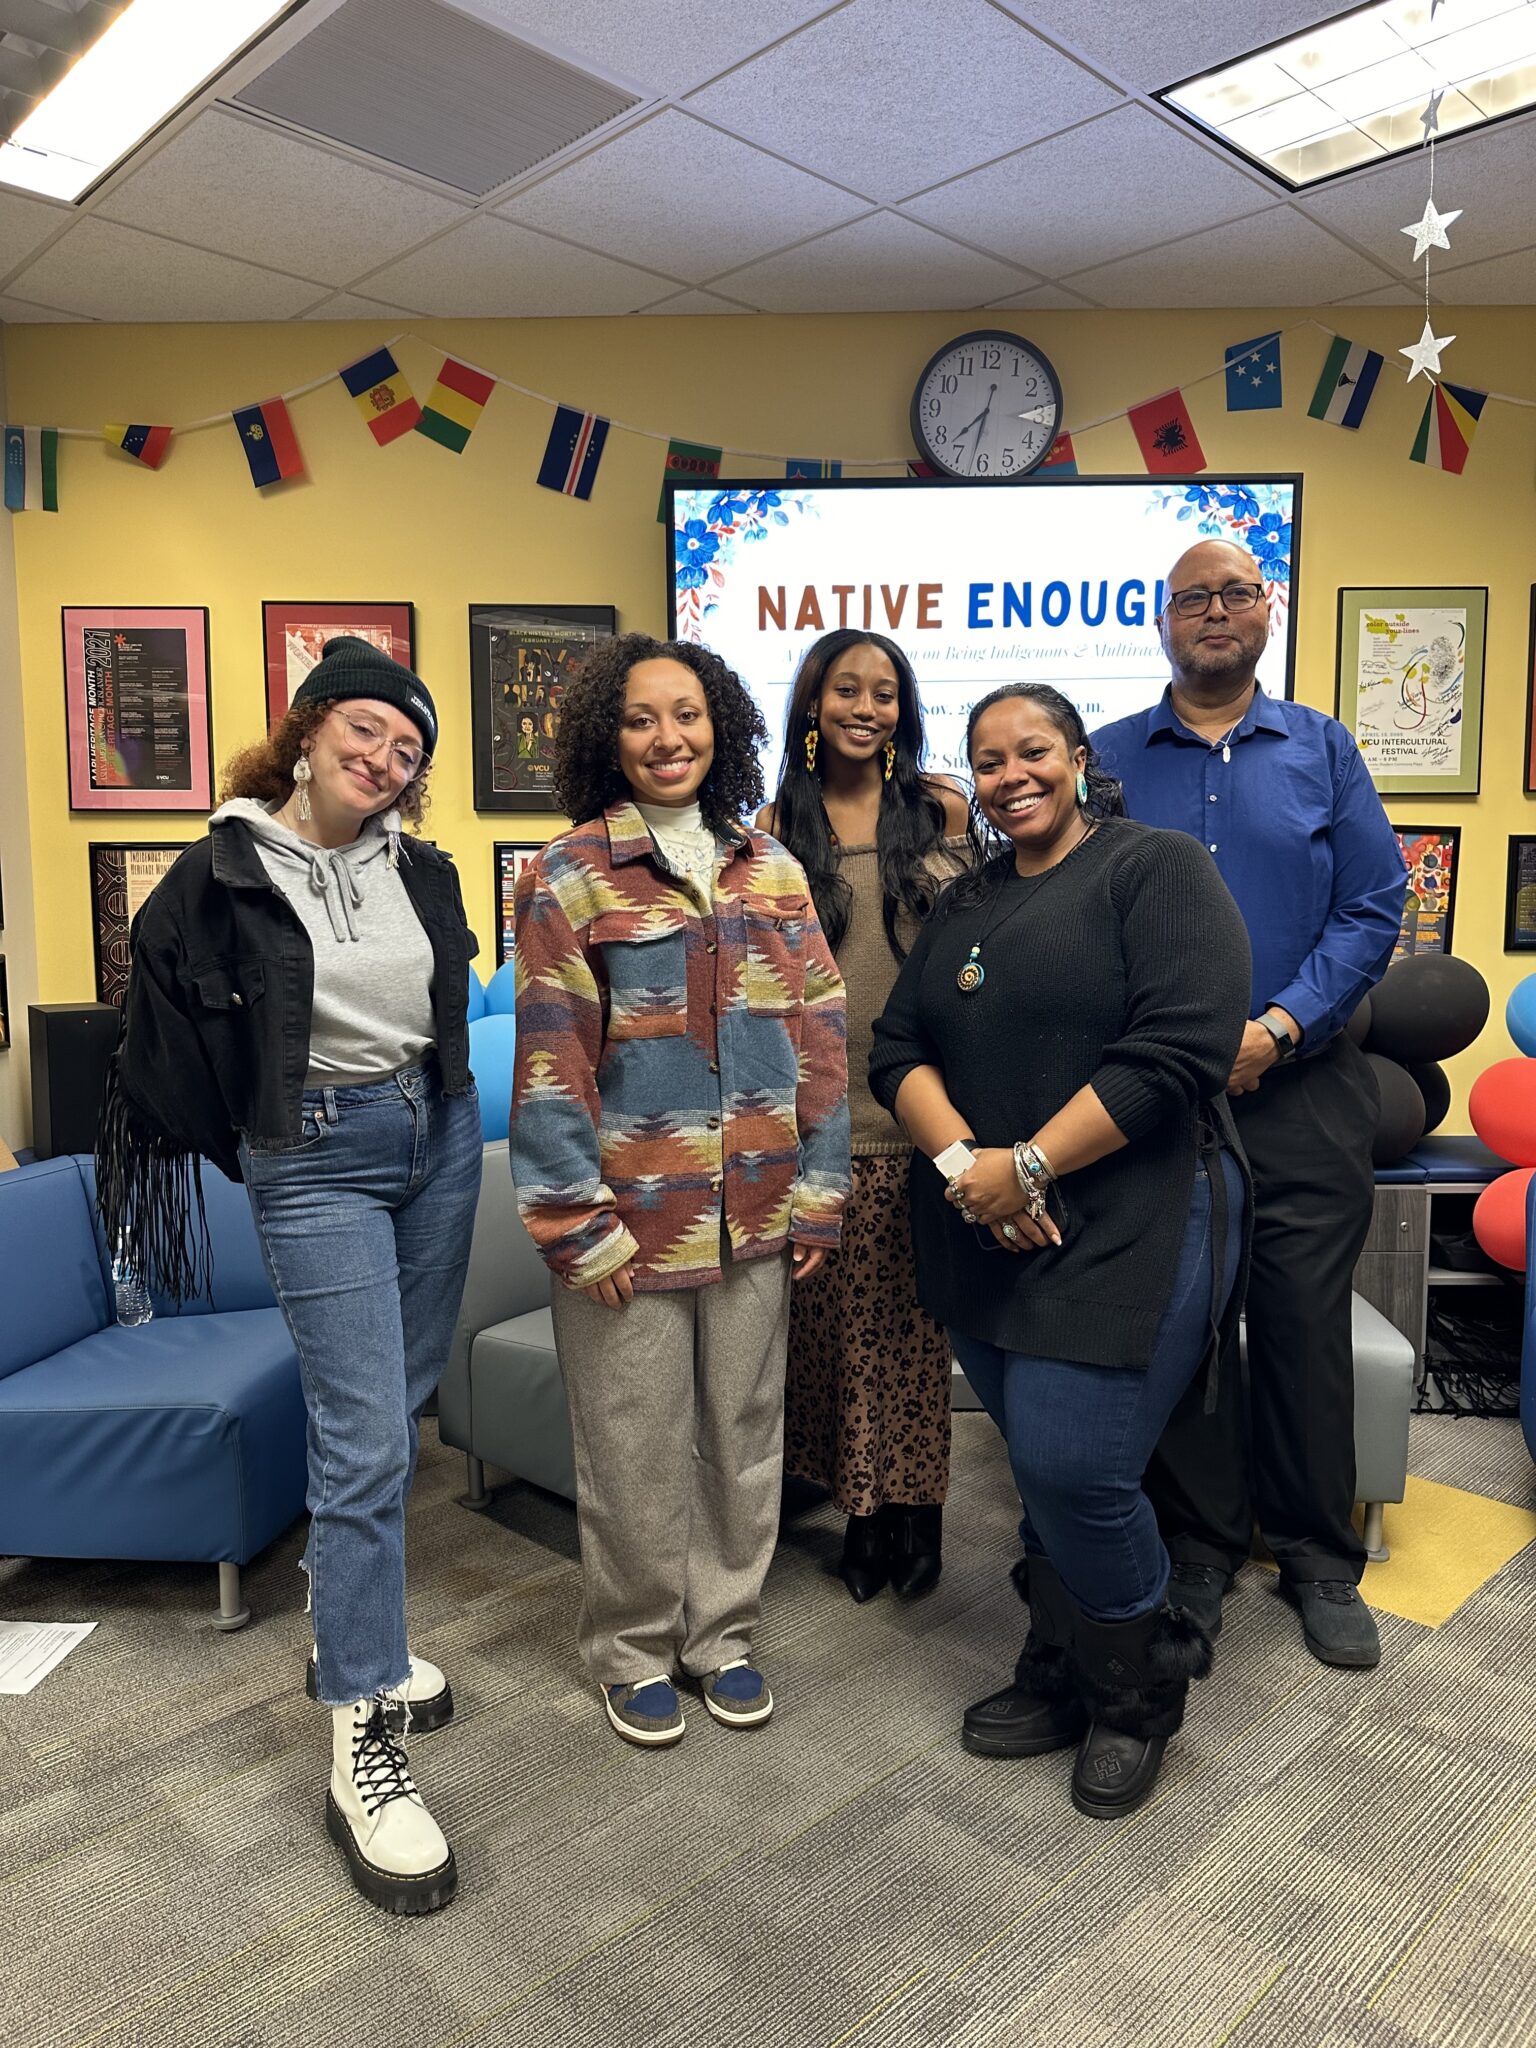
x=372 y=1011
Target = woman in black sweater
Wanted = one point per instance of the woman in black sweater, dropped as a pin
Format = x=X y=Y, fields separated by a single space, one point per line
x=1070 y=1015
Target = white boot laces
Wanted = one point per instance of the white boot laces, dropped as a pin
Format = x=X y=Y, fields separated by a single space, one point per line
x=379 y=1767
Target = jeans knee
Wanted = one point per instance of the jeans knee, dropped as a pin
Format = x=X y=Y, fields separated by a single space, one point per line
x=1052 y=1476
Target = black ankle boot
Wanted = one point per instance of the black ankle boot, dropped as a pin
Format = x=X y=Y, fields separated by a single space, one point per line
x=866 y=1561
x=1042 y=1709
x=916 y=1536
x=1134 y=1677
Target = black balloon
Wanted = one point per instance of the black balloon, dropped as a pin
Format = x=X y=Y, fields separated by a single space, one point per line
x=1401 y=1122
x=1359 y=1026
x=1427 y=1007
x=1433 y=1084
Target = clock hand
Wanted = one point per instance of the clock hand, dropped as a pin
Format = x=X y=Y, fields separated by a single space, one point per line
x=980 y=424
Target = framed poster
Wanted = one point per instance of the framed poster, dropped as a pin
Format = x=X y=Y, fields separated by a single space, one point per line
x=1430 y=854
x=5 y=1009
x=121 y=878
x=511 y=857
x=522 y=659
x=136 y=708
x=293 y=634
x=1530 y=695
x=1410 y=686
x=1520 y=895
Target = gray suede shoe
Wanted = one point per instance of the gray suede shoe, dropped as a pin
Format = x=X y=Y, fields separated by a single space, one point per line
x=1338 y=1626
x=1200 y=1589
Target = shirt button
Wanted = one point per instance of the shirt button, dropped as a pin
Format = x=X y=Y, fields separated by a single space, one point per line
x=713 y=1123
x=1212 y=798
x=714 y=1012
x=714 y=1066
x=1213 y=846
x=711 y=947
x=715 y=1185
x=236 y=999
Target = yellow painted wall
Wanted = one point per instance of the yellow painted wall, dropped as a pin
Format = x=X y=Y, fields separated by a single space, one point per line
x=414 y=522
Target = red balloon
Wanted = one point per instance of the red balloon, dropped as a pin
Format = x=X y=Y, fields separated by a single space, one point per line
x=1498 y=1220
x=1502 y=1106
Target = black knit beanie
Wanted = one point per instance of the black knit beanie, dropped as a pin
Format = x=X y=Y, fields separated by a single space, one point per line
x=350 y=667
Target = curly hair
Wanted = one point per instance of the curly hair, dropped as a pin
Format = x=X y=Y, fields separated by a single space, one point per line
x=991 y=854
x=265 y=771
x=587 y=775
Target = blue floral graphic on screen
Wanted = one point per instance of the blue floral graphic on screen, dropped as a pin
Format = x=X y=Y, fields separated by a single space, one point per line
x=1254 y=516
x=706 y=545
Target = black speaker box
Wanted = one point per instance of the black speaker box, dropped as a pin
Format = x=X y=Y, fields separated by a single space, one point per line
x=71 y=1044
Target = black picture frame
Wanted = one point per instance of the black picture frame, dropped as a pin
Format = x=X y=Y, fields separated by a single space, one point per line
x=116 y=893
x=508 y=859
x=1530 y=702
x=522 y=658
x=1520 y=880
x=5 y=1008
x=1432 y=855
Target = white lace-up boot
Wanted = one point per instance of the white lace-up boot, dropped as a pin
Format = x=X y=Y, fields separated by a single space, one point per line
x=375 y=1816
x=426 y=1693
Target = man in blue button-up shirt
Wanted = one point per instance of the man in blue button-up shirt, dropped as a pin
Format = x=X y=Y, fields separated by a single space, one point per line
x=1280 y=796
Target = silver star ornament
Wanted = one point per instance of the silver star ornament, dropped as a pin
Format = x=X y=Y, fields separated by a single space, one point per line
x=1425 y=353
x=1429 y=120
x=1429 y=231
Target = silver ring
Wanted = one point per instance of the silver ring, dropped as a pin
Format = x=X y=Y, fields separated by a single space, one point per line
x=1010 y=1233
x=968 y=1214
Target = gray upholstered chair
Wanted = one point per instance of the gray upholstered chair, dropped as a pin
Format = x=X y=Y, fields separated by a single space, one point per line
x=502 y=1401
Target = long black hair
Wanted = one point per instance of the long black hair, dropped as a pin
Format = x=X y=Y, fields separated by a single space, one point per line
x=911 y=821
x=991 y=853
x=587 y=777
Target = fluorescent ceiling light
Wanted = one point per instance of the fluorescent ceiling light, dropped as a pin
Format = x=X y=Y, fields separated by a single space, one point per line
x=1350 y=92
x=152 y=57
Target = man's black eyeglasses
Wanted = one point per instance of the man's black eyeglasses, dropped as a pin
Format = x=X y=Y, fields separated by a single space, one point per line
x=1235 y=597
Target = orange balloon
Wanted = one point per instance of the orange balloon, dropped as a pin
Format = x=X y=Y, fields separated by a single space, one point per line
x=1498 y=1220
x=1502 y=1106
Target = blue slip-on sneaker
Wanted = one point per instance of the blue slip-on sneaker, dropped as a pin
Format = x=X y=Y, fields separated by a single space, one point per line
x=738 y=1695
x=647 y=1712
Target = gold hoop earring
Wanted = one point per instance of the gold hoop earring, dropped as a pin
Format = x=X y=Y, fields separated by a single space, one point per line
x=812 y=739
x=890 y=759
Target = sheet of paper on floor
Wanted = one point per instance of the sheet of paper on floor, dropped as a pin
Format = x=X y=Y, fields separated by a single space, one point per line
x=30 y=1649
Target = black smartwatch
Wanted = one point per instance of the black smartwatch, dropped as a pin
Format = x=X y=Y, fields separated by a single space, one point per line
x=1285 y=1045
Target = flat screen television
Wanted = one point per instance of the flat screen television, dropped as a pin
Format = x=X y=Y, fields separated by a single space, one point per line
x=1055 y=580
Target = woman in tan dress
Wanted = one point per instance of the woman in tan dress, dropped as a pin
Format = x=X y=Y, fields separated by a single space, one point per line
x=867 y=1398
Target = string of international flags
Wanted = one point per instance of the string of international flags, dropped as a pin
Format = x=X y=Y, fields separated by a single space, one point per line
x=1164 y=430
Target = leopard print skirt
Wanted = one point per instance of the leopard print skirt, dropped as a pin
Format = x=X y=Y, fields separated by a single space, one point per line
x=867 y=1395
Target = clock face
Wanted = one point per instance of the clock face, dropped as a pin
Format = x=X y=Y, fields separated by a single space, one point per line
x=987 y=406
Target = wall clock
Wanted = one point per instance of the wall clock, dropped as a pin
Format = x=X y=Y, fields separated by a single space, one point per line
x=987 y=405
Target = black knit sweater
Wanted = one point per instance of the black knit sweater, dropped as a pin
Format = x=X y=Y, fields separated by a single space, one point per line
x=1130 y=972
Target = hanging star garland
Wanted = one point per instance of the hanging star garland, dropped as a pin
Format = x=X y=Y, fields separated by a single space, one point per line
x=1425 y=352
x=1429 y=120
x=1429 y=230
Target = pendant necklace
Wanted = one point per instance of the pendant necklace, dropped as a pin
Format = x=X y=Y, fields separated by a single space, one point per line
x=973 y=974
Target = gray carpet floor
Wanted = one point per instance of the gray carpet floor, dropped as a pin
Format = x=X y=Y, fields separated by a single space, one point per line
x=1333 y=1860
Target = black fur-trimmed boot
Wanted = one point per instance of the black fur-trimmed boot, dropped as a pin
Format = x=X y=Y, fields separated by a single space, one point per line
x=1042 y=1709
x=1134 y=1676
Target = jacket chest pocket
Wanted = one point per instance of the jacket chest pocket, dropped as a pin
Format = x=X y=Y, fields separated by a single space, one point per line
x=774 y=975
x=227 y=987
x=645 y=957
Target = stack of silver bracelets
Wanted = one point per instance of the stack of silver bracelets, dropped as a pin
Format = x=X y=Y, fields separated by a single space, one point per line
x=1035 y=1177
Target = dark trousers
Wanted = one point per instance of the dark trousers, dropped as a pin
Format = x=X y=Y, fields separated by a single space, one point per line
x=1280 y=1448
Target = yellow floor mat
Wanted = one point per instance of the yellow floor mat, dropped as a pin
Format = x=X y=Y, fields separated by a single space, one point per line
x=1445 y=1543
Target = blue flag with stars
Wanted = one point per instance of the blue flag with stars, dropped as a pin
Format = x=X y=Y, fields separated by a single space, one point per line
x=1253 y=375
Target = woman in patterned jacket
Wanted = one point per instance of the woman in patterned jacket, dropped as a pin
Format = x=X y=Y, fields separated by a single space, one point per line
x=680 y=1146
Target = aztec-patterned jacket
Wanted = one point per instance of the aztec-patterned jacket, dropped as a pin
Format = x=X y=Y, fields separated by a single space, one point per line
x=675 y=1063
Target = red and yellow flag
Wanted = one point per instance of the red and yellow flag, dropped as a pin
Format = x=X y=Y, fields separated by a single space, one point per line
x=382 y=396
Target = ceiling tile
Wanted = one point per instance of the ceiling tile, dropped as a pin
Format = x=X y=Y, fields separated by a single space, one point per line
x=668 y=45
x=348 y=306
x=1386 y=295
x=16 y=312
x=1051 y=297
x=1169 y=40
x=695 y=302
x=1272 y=259
x=1491 y=176
x=878 y=265
x=256 y=192
x=25 y=224
x=683 y=198
x=890 y=96
x=495 y=269
x=1501 y=281
x=116 y=273
x=1145 y=181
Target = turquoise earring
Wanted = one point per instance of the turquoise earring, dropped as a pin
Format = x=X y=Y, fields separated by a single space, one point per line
x=1082 y=788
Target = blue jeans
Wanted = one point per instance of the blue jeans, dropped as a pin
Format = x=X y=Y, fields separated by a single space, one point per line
x=365 y=1227
x=1079 y=1436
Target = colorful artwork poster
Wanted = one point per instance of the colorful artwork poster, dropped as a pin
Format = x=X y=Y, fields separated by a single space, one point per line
x=523 y=659
x=1411 y=686
x=294 y=637
x=511 y=859
x=121 y=880
x=136 y=709
x=1430 y=854
x=1520 y=896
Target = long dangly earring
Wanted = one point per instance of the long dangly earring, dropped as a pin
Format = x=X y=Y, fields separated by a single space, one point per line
x=1082 y=788
x=812 y=738
x=303 y=776
x=890 y=759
